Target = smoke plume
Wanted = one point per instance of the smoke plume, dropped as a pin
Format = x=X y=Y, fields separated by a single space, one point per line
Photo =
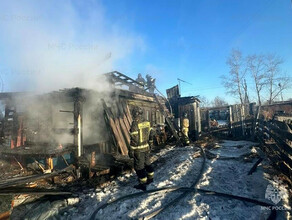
x=49 y=45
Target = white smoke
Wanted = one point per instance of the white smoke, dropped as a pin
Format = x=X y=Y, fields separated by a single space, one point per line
x=49 y=45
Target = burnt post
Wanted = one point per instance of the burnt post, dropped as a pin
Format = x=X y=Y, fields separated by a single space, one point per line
x=83 y=164
x=208 y=120
x=198 y=112
x=242 y=118
x=78 y=127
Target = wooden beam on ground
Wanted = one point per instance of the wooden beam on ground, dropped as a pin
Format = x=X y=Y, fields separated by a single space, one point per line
x=254 y=167
x=27 y=179
x=31 y=191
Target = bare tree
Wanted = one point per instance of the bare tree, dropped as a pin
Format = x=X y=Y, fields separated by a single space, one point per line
x=219 y=102
x=256 y=67
x=244 y=86
x=276 y=81
x=234 y=81
x=204 y=102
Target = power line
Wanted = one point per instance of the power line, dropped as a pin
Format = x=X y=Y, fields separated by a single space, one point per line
x=199 y=89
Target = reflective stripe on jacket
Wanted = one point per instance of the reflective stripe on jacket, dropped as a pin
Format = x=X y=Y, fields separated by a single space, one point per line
x=141 y=134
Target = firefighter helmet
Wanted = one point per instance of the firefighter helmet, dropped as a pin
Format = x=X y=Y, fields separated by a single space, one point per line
x=137 y=111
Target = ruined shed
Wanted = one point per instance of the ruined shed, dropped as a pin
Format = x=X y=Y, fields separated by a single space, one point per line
x=181 y=105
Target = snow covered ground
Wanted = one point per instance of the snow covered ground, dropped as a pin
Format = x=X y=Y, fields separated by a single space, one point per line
x=226 y=172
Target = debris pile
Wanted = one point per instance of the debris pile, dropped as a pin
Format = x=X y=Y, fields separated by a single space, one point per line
x=179 y=167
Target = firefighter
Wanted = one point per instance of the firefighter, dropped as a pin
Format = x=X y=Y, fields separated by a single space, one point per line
x=150 y=83
x=140 y=145
x=141 y=80
x=185 y=129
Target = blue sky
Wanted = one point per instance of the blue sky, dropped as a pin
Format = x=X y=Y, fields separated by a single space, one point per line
x=170 y=39
x=191 y=39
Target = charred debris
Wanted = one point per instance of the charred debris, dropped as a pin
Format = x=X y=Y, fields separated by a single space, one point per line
x=83 y=132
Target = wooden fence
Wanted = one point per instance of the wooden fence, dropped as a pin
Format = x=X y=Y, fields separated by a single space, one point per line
x=275 y=135
x=276 y=140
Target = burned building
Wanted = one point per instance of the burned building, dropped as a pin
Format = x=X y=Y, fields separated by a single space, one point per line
x=190 y=105
x=73 y=125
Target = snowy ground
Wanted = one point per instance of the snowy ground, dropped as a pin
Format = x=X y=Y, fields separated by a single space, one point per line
x=226 y=172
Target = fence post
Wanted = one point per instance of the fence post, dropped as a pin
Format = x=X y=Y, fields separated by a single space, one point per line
x=230 y=118
x=242 y=119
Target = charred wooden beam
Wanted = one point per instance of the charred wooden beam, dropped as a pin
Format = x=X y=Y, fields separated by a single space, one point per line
x=168 y=121
x=254 y=167
x=116 y=76
x=27 y=179
x=32 y=191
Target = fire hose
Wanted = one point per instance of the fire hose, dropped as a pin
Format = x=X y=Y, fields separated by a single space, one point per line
x=186 y=190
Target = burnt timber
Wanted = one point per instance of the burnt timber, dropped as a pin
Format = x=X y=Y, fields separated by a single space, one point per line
x=91 y=128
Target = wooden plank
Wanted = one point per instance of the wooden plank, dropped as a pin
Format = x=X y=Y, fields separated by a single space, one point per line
x=129 y=115
x=127 y=112
x=126 y=122
x=110 y=129
x=274 y=157
x=282 y=125
x=143 y=97
x=279 y=150
x=125 y=132
x=168 y=121
x=218 y=130
x=32 y=191
x=123 y=145
x=284 y=146
x=283 y=133
x=122 y=114
x=27 y=179
x=286 y=168
x=112 y=125
x=5 y=215
x=101 y=169
x=115 y=127
x=254 y=167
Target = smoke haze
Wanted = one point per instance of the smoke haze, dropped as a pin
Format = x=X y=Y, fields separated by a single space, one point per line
x=50 y=45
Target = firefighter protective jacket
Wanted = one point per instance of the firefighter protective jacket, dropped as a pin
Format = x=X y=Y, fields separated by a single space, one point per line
x=141 y=135
x=186 y=123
